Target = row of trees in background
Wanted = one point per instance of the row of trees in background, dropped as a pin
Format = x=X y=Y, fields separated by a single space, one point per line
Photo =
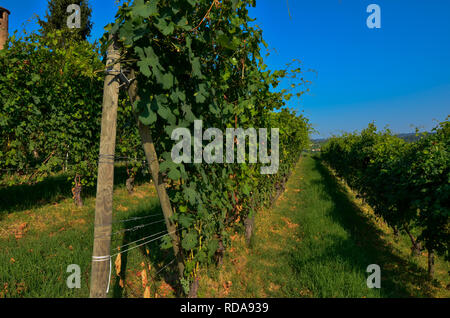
x=407 y=184
x=51 y=108
x=51 y=90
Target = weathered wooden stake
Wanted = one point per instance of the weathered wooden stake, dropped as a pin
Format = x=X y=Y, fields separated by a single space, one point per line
x=103 y=202
x=153 y=165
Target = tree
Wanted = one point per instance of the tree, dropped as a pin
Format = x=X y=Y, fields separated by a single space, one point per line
x=57 y=15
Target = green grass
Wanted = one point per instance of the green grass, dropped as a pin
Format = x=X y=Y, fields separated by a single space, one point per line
x=317 y=241
x=60 y=234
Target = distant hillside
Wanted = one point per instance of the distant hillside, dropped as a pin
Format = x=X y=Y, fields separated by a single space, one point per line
x=410 y=137
x=319 y=140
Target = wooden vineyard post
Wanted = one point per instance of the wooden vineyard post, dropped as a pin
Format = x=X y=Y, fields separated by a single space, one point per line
x=101 y=261
x=153 y=165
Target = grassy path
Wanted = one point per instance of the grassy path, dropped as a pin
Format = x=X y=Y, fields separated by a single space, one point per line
x=317 y=241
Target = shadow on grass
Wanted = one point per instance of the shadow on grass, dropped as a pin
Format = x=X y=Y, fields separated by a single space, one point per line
x=399 y=275
x=42 y=258
x=52 y=189
x=150 y=252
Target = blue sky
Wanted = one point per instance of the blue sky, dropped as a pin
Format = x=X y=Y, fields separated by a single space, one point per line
x=398 y=75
